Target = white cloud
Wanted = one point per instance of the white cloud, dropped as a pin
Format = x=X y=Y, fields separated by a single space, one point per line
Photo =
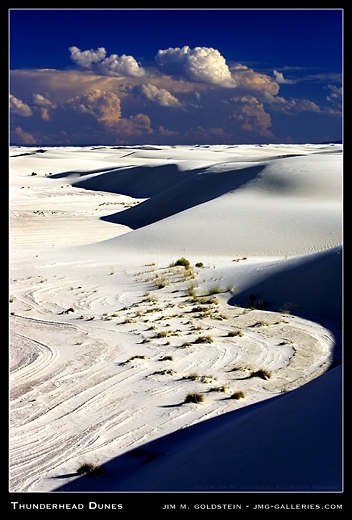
x=250 y=80
x=86 y=59
x=279 y=78
x=41 y=101
x=292 y=105
x=160 y=96
x=114 y=65
x=201 y=64
x=104 y=106
x=19 y=108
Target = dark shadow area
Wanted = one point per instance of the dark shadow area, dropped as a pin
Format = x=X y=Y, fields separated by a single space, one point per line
x=197 y=187
x=293 y=440
x=136 y=181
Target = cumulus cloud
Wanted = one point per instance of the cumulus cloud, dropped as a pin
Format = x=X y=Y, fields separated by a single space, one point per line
x=252 y=117
x=134 y=126
x=41 y=101
x=250 y=80
x=201 y=64
x=86 y=59
x=22 y=137
x=19 y=108
x=279 y=78
x=292 y=105
x=160 y=96
x=114 y=65
x=104 y=106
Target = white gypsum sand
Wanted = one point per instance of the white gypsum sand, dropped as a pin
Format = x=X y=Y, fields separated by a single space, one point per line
x=108 y=337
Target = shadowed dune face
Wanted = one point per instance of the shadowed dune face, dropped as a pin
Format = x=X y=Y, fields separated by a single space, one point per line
x=199 y=186
x=136 y=181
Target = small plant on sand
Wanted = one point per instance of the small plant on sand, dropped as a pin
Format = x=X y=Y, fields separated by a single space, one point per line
x=91 y=470
x=216 y=289
x=162 y=334
x=136 y=357
x=192 y=291
x=194 y=398
x=234 y=333
x=199 y=264
x=237 y=395
x=204 y=339
x=183 y=262
x=167 y=358
x=262 y=374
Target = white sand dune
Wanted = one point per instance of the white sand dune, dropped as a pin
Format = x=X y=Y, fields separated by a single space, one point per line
x=107 y=338
x=286 y=207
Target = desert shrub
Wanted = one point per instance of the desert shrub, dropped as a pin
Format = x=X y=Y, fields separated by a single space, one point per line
x=183 y=262
x=136 y=357
x=234 y=333
x=204 y=339
x=260 y=324
x=216 y=289
x=192 y=291
x=162 y=334
x=263 y=374
x=199 y=264
x=219 y=389
x=91 y=470
x=167 y=371
x=167 y=358
x=192 y=376
x=194 y=398
x=237 y=395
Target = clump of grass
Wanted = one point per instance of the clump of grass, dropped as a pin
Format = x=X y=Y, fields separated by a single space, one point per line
x=263 y=374
x=204 y=339
x=192 y=291
x=260 y=324
x=216 y=289
x=162 y=334
x=237 y=395
x=219 y=389
x=192 y=376
x=234 y=333
x=194 y=398
x=182 y=262
x=136 y=357
x=167 y=358
x=167 y=371
x=91 y=470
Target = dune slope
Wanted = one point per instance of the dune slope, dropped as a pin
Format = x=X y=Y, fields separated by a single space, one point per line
x=289 y=206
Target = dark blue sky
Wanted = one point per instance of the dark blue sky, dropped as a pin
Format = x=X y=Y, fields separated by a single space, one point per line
x=288 y=89
x=306 y=38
